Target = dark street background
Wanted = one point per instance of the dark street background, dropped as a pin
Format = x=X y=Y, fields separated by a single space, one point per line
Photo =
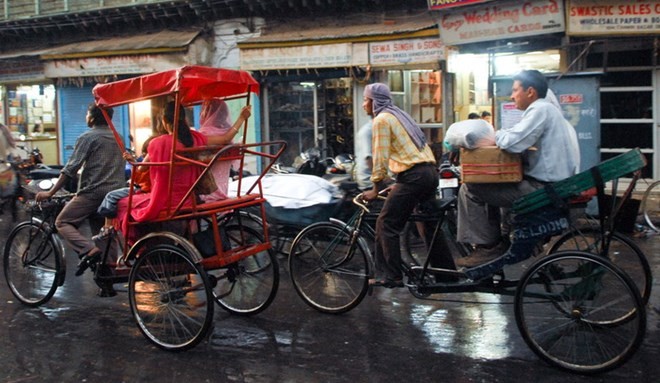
x=390 y=337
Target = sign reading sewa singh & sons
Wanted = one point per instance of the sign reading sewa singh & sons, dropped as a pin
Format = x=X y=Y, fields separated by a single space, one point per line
x=502 y=20
x=595 y=17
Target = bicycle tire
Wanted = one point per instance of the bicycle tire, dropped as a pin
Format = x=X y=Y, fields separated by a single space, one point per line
x=650 y=206
x=623 y=252
x=567 y=309
x=170 y=298
x=327 y=272
x=33 y=264
x=247 y=287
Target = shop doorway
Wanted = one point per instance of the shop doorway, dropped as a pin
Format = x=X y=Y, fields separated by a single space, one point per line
x=312 y=114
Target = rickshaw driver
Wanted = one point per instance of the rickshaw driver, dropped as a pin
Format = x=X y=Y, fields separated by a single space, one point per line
x=103 y=171
x=556 y=156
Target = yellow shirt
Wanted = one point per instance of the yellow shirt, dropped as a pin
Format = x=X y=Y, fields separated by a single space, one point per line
x=393 y=148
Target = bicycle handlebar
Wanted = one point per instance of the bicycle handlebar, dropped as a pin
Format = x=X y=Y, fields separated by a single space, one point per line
x=362 y=204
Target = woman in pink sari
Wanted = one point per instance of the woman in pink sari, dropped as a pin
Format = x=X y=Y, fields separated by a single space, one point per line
x=215 y=121
x=148 y=206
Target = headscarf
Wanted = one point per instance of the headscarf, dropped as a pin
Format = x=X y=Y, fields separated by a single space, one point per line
x=8 y=137
x=214 y=118
x=382 y=102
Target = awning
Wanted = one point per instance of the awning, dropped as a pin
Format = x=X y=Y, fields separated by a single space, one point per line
x=137 y=54
x=335 y=43
x=343 y=31
x=160 y=42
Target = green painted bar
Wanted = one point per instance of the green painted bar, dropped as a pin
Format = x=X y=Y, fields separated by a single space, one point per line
x=613 y=168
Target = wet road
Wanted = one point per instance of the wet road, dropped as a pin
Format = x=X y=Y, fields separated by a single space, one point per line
x=389 y=337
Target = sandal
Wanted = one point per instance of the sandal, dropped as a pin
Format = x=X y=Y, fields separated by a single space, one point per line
x=88 y=259
x=388 y=283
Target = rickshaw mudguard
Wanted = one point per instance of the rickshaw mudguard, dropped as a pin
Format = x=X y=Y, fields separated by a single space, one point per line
x=171 y=238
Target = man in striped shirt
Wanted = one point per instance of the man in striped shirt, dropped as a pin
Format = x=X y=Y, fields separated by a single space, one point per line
x=400 y=145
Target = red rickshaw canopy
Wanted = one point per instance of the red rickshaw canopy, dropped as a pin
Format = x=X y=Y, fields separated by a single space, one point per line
x=194 y=84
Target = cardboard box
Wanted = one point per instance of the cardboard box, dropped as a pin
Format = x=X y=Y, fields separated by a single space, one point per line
x=490 y=164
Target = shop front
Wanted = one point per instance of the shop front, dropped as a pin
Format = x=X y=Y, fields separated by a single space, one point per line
x=314 y=79
x=619 y=39
x=614 y=43
x=28 y=106
x=77 y=68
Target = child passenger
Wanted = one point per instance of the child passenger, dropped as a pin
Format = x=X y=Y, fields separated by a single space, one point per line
x=108 y=207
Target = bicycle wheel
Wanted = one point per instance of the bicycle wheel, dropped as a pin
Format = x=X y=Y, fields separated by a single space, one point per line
x=651 y=206
x=327 y=272
x=580 y=312
x=170 y=298
x=33 y=264
x=623 y=252
x=248 y=286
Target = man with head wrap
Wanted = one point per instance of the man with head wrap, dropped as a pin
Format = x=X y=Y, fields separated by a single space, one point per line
x=398 y=143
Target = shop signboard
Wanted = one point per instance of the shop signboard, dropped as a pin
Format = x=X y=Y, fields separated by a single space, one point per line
x=444 y=4
x=397 y=52
x=501 y=20
x=605 y=17
x=21 y=70
x=304 y=56
x=104 y=66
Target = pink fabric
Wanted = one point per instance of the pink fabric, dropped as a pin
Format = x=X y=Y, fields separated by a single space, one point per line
x=215 y=120
x=147 y=206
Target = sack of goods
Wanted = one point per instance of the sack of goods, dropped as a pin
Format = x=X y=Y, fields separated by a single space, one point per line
x=469 y=134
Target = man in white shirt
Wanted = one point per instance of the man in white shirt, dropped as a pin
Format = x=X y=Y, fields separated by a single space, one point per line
x=363 y=156
x=555 y=156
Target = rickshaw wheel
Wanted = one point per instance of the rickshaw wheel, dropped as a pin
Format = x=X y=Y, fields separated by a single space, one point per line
x=248 y=286
x=580 y=312
x=170 y=297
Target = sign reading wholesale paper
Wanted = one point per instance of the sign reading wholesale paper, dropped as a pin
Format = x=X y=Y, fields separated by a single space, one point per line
x=502 y=20
x=406 y=51
x=594 y=17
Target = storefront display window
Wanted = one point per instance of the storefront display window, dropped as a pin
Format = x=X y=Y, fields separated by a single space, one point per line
x=418 y=92
x=312 y=114
x=291 y=106
x=31 y=109
x=338 y=97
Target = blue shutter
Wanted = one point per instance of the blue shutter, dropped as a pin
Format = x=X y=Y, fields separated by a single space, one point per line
x=73 y=102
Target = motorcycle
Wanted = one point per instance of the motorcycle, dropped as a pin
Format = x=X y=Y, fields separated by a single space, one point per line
x=450 y=175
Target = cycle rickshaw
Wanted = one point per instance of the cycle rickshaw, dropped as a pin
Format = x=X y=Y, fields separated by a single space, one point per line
x=576 y=310
x=193 y=254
